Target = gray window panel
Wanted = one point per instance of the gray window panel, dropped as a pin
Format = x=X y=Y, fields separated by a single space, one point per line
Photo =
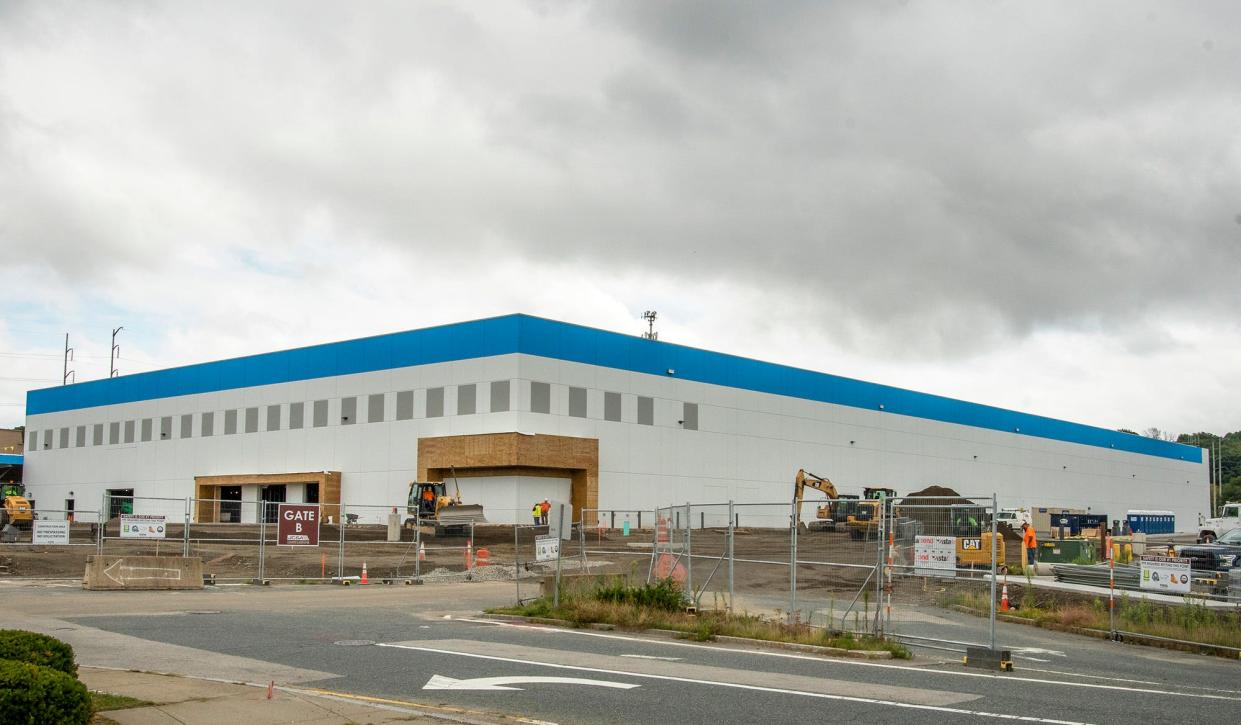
x=577 y=402
x=114 y=433
x=646 y=411
x=348 y=411
x=129 y=431
x=435 y=402
x=297 y=412
x=467 y=399
x=499 y=396
x=208 y=425
x=540 y=397
x=375 y=408
x=97 y=439
x=33 y=445
x=81 y=436
x=146 y=429
x=252 y=420
x=187 y=425
x=405 y=405
x=64 y=438
x=47 y=439
x=230 y=422
x=689 y=416
x=612 y=407
x=165 y=428
x=320 y=413
x=273 y=417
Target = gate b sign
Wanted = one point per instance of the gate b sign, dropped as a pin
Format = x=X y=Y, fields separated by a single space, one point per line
x=297 y=524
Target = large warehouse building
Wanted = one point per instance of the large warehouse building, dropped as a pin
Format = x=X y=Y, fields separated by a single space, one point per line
x=521 y=408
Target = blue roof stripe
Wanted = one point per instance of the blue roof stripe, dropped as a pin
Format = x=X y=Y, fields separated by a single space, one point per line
x=575 y=343
x=10 y=459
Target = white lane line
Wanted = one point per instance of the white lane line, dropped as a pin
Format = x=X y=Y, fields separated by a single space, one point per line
x=858 y=663
x=653 y=657
x=1129 y=679
x=738 y=686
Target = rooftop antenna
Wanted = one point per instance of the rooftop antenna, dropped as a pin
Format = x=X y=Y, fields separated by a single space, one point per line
x=650 y=333
x=115 y=354
x=68 y=356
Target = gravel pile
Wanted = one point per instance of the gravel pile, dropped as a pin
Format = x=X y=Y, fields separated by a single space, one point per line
x=498 y=572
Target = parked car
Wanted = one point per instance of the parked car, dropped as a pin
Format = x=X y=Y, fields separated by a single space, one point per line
x=1223 y=554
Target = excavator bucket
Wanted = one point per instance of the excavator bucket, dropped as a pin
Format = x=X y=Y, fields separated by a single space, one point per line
x=462 y=513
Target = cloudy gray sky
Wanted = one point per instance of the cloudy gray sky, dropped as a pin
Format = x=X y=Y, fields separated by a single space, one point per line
x=1033 y=205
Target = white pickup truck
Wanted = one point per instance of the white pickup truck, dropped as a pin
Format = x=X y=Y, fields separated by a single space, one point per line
x=1211 y=529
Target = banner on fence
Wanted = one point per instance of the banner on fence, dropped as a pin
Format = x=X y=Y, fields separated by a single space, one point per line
x=546 y=548
x=50 y=532
x=1166 y=574
x=142 y=526
x=935 y=556
x=297 y=524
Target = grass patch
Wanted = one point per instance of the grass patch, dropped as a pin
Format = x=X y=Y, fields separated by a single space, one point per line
x=612 y=600
x=104 y=701
x=1191 y=621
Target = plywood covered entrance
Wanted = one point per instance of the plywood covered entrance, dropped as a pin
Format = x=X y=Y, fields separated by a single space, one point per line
x=210 y=490
x=517 y=454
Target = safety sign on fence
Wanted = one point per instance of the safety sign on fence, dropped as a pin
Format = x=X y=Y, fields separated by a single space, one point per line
x=1166 y=574
x=297 y=524
x=142 y=526
x=935 y=556
x=546 y=548
x=50 y=532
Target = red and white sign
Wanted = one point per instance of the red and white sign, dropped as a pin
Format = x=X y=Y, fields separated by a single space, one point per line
x=297 y=524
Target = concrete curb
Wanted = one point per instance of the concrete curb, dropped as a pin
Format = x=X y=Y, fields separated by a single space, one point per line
x=723 y=639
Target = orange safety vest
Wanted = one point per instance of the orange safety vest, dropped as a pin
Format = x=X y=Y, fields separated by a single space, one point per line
x=1028 y=540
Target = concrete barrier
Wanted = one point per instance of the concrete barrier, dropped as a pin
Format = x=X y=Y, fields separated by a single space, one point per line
x=127 y=573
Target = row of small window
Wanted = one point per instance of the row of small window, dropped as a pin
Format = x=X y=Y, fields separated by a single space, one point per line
x=467 y=396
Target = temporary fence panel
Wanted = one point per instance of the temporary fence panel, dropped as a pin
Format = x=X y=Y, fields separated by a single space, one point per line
x=837 y=545
x=710 y=536
x=762 y=551
x=226 y=535
x=617 y=541
x=383 y=542
x=941 y=558
x=53 y=543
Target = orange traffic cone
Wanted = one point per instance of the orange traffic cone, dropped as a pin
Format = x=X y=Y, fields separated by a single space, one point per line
x=422 y=552
x=1004 y=598
x=364 y=579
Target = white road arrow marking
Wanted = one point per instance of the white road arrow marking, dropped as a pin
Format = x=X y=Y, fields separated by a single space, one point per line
x=653 y=657
x=439 y=682
x=138 y=572
x=1038 y=651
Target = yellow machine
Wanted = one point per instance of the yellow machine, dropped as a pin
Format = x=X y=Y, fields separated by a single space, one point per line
x=865 y=524
x=17 y=509
x=974 y=552
x=838 y=510
x=430 y=501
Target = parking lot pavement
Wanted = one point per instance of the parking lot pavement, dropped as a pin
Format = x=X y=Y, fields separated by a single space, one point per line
x=427 y=645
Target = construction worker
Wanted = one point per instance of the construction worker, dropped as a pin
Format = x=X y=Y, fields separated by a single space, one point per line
x=428 y=501
x=537 y=512
x=1030 y=543
x=544 y=508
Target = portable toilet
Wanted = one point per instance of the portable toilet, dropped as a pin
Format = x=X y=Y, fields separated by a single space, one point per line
x=1152 y=522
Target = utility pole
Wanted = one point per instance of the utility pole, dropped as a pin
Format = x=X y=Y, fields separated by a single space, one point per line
x=115 y=354
x=650 y=333
x=68 y=356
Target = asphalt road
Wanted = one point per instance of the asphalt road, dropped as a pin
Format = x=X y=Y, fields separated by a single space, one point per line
x=426 y=644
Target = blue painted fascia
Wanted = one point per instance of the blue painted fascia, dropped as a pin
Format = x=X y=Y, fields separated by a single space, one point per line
x=10 y=459
x=575 y=343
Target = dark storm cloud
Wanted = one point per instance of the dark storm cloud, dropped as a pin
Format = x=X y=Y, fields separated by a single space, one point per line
x=917 y=178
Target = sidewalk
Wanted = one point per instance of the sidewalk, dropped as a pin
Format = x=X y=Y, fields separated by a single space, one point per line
x=190 y=701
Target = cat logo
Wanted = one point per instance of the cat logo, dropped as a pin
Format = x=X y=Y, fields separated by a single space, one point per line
x=971 y=544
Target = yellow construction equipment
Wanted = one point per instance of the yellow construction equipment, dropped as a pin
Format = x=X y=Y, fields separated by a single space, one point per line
x=430 y=500
x=865 y=523
x=17 y=509
x=837 y=510
x=974 y=552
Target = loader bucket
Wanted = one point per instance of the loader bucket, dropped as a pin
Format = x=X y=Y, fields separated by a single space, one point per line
x=462 y=513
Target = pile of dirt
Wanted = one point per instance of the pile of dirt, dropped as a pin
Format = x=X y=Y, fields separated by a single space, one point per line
x=932 y=507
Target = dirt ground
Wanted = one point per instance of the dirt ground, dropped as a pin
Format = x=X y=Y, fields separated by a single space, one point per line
x=829 y=561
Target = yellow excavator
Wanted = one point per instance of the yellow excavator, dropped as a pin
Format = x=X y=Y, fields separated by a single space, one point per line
x=429 y=500
x=838 y=509
x=17 y=509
